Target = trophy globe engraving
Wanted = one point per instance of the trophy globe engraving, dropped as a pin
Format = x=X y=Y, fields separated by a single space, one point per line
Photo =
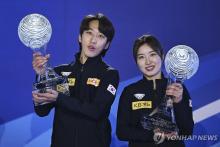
x=35 y=31
x=181 y=63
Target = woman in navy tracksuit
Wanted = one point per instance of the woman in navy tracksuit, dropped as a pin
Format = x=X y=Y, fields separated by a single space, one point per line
x=142 y=97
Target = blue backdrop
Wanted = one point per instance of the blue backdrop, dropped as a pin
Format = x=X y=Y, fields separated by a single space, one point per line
x=194 y=23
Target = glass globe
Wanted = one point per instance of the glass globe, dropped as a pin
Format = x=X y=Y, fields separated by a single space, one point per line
x=34 y=31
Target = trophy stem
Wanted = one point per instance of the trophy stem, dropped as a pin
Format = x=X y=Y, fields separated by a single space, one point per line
x=48 y=78
x=46 y=66
x=173 y=116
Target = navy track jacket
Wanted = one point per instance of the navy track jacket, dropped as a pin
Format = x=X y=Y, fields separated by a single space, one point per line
x=139 y=99
x=81 y=119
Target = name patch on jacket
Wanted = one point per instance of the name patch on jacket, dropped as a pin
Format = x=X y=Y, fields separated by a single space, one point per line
x=93 y=81
x=141 y=105
x=71 y=81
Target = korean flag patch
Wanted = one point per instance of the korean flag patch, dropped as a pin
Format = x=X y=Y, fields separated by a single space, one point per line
x=111 y=89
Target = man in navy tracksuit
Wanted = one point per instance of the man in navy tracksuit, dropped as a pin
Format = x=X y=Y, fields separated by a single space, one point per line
x=81 y=119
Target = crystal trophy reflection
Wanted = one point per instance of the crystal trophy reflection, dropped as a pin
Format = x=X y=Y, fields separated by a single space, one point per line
x=35 y=31
x=181 y=63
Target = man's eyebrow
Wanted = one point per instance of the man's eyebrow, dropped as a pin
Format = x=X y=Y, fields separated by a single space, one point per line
x=89 y=29
x=152 y=52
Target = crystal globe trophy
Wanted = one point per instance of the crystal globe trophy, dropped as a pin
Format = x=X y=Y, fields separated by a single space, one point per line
x=35 y=31
x=181 y=63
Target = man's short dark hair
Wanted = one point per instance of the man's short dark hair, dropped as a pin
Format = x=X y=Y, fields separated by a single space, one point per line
x=105 y=27
x=151 y=41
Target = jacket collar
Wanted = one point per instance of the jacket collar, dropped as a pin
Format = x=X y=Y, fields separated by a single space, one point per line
x=90 y=61
x=159 y=82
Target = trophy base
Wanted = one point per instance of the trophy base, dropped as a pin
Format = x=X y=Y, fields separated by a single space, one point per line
x=166 y=126
x=56 y=83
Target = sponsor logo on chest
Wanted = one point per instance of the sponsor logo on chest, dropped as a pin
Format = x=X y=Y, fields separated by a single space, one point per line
x=139 y=96
x=71 y=81
x=65 y=74
x=93 y=81
x=141 y=105
x=63 y=88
